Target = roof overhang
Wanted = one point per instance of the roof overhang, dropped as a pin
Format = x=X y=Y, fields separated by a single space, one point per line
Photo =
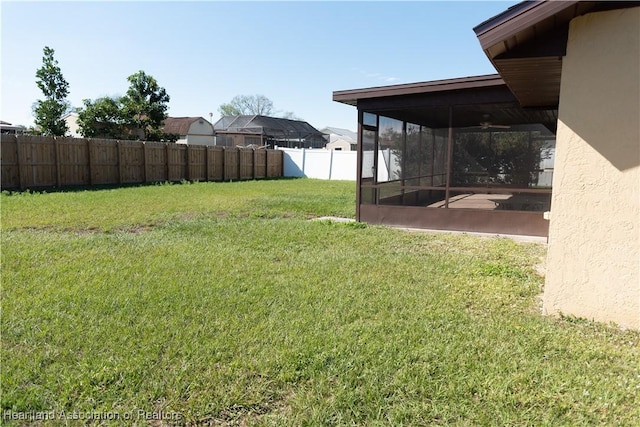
x=471 y=99
x=352 y=96
x=526 y=44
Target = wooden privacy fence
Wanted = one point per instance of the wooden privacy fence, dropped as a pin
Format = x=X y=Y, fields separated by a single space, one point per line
x=29 y=161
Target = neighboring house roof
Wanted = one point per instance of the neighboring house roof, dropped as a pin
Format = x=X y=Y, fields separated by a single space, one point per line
x=9 y=128
x=180 y=125
x=265 y=125
x=526 y=44
x=345 y=133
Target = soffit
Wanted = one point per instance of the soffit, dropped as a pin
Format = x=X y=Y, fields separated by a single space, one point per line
x=469 y=107
x=526 y=44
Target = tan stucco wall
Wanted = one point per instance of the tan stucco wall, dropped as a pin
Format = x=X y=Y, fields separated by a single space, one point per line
x=593 y=265
x=72 y=125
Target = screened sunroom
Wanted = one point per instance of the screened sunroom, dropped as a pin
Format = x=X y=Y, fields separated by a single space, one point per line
x=267 y=131
x=459 y=154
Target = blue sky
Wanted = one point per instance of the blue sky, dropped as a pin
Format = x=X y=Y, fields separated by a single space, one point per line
x=204 y=53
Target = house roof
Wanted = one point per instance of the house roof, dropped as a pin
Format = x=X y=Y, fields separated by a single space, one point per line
x=180 y=125
x=340 y=132
x=8 y=126
x=526 y=44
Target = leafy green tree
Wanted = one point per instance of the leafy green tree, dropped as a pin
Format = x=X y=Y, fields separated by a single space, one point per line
x=140 y=114
x=507 y=158
x=102 y=118
x=49 y=112
x=145 y=105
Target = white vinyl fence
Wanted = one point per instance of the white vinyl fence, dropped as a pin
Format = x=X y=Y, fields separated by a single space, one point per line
x=342 y=165
x=320 y=163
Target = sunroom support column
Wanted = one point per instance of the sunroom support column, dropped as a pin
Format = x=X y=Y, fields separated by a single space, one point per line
x=360 y=152
x=449 y=158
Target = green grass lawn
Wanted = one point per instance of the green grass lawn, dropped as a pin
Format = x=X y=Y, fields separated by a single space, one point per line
x=222 y=304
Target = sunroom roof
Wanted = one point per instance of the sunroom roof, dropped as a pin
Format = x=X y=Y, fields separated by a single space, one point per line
x=352 y=96
x=473 y=100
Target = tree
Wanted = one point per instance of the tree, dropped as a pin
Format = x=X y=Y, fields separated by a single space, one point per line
x=508 y=157
x=102 y=118
x=50 y=111
x=289 y=115
x=140 y=114
x=145 y=105
x=247 y=105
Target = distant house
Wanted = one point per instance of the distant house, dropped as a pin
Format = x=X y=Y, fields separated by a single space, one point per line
x=72 y=124
x=478 y=153
x=255 y=130
x=6 y=127
x=190 y=130
x=340 y=139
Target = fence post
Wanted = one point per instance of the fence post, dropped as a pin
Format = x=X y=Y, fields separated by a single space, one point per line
x=188 y=165
x=90 y=159
x=330 y=163
x=20 y=165
x=56 y=159
x=166 y=163
x=254 y=162
x=145 y=173
x=119 y=155
x=206 y=163
x=224 y=154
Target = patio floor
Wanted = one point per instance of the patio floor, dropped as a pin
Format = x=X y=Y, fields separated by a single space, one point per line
x=527 y=202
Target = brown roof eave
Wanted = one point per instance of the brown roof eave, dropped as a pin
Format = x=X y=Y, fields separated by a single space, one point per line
x=351 y=96
x=528 y=14
x=526 y=44
x=513 y=20
x=512 y=42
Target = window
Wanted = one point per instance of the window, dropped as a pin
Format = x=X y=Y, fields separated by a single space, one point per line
x=369 y=119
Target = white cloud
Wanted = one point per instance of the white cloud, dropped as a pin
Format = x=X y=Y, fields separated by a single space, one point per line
x=377 y=76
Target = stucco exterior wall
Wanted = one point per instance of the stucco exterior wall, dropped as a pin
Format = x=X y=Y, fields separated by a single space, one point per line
x=72 y=124
x=593 y=265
